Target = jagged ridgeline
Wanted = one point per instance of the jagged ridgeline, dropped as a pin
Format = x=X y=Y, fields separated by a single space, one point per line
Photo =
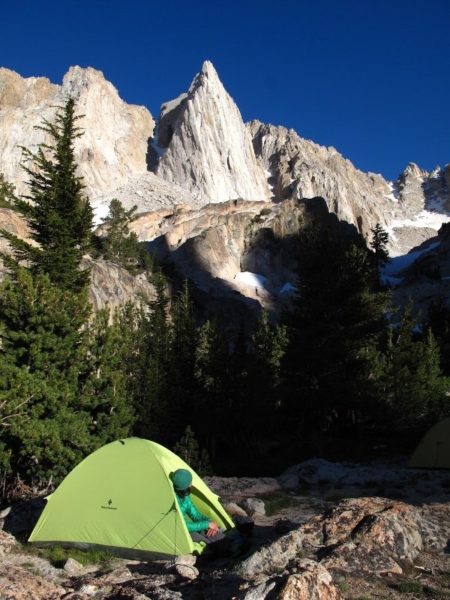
x=179 y=167
x=201 y=152
x=239 y=218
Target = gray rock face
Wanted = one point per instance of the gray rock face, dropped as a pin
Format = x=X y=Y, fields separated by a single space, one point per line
x=203 y=155
x=169 y=114
x=212 y=245
x=113 y=286
x=299 y=169
x=111 y=151
x=209 y=151
x=149 y=193
x=427 y=279
x=409 y=189
x=202 y=152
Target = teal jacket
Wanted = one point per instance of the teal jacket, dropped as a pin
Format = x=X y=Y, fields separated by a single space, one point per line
x=198 y=521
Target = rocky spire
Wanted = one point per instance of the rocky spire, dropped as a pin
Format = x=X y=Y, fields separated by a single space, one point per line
x=209 y=151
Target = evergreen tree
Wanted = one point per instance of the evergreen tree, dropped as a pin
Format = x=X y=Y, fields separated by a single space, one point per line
x=412 y=382
x=334 y=331
x=378 y=244
x=43 y=308
x=59 y=216
x=211 y=406
x=182 y=368
x=41 y=356
x=211 y=357
x=151 y=392
x=188 y=449
x=104 y=388
x=117 y=222
x=121 y=245
x=61 y=386
x=6 y=193
x=438 y=321
x=239 y=392
x=269 y=344
x=435 y=385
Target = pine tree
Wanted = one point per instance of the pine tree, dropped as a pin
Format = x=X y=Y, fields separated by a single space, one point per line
x=121 y=245
x=41 y=356
x=269 y=344
x=210 y=363
x=259 y=377
x=6 y=193
x=104 y=389
x=117 y=222
x=62 y=392
x=378 y=244
x=239 y=392
x=210 y=408
x=182 y=368
x=43 y=308
x=438 y=321
x=188 y=449
x=59 y=216
x=413 y=386
x=334 y=329
x=435 y=385
x=151 y=384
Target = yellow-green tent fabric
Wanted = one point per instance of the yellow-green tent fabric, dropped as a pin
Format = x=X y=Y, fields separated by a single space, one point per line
x=121 y=499
x=433 y=451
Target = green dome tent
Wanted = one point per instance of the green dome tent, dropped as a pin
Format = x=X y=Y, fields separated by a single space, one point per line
x=121 y=499
x=433 y=451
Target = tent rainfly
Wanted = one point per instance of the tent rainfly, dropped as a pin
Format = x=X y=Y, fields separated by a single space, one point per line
x=121 y=499
x=433 y=451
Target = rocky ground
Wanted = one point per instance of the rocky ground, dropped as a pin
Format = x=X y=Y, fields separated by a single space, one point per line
x=321 y=531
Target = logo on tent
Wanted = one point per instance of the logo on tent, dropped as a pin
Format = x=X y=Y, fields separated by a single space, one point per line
x=109 y=505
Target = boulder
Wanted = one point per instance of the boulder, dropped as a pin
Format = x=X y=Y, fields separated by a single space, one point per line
x=375 y=535
x=17 y=583
x=254 y=507
x=312 y=582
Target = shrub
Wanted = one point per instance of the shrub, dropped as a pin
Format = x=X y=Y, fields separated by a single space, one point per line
x=265 y=211
x=410 y=587
x=275 y=501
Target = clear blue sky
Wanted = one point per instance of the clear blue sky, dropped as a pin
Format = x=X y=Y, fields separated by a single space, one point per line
x=369 y=77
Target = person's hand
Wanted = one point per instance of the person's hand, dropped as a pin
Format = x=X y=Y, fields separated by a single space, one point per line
x=212 y=529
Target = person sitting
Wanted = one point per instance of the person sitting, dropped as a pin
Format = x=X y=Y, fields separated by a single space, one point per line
x=200 y=527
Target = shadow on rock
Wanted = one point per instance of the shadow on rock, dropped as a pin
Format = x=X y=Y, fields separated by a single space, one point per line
x=19 y=519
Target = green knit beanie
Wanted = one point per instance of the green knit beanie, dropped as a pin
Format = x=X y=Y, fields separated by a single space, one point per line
x=181 y=479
